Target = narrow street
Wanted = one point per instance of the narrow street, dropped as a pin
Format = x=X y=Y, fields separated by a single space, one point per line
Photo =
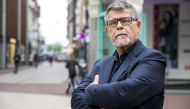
x=177 y=100
x=35 y=88
x=44 y=88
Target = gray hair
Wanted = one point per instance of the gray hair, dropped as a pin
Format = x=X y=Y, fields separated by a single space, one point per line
x=121 y=4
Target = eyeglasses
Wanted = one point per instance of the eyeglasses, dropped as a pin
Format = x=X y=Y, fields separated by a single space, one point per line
x=124 y=21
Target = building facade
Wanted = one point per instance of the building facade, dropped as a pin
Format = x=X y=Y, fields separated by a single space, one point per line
x=78 y=27
x=93 y=34
x=167 y=23
x=164 y=26
x=104 y=46
x=14 y=31
x=35 y=40
x=71 y=32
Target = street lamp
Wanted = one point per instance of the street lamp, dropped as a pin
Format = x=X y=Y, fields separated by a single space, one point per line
x=4 y=34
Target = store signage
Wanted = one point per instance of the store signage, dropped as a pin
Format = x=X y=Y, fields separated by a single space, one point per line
x=81 y=36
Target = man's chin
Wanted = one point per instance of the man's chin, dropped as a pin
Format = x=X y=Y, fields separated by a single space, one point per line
x=124 y=44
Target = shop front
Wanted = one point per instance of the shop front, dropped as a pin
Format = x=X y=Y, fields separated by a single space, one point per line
x=167 y=31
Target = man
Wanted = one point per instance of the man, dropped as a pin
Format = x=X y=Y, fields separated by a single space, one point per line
x=36 y=60
x=71 y=65
x=16 y=62
x=132 y=78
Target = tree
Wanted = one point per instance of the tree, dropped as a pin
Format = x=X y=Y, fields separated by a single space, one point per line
x=57 y=47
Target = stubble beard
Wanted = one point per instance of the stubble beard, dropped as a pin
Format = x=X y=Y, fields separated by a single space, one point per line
x=122 y=42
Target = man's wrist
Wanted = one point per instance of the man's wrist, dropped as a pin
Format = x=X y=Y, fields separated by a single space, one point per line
x=88 y=94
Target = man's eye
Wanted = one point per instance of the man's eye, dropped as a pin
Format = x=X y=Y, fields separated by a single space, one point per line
x=112 y=22
x=126 y=20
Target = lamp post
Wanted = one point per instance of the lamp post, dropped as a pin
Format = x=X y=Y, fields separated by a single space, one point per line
x=4 y=34
x=18 y=41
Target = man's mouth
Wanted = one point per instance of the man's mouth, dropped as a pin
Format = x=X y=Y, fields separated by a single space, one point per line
x=122 y=34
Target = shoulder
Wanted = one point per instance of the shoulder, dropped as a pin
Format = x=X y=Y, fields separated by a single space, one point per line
x=152 y=54
x=104 y=60
x=101 y=63
x=151 y=51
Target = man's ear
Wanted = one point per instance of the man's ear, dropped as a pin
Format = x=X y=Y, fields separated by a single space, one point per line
x=105 y=28
x=138 y=24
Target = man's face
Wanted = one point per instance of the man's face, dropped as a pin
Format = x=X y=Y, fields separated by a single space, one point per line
x=123 y=34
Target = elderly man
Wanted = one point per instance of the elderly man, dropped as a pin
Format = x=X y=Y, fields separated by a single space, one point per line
x=133 y=77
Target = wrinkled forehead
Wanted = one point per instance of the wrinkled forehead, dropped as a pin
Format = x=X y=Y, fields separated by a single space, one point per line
x=118 y=13
x=118 y=4
x=121 y=4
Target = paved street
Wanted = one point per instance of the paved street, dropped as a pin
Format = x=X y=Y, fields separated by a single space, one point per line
x=177 y=101
x=44 y=88
x=35 y=88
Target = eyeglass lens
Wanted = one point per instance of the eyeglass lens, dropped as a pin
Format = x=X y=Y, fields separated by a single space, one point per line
x=124 y=21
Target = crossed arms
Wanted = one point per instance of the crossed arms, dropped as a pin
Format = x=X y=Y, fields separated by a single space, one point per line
x=145 y=81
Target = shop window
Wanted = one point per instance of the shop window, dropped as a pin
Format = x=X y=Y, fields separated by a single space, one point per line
x=166 y=32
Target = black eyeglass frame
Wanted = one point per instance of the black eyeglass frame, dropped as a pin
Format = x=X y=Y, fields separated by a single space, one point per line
x=120 y=19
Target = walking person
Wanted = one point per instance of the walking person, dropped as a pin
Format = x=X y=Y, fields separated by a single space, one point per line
x=71 y=66
x=133 y=77
x=50 y=59
x=16 y=63
x=36 y=61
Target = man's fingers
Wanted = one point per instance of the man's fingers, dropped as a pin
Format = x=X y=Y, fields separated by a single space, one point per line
x=96 y=79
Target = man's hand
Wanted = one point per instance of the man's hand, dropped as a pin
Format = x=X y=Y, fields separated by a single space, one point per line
x=96 y=81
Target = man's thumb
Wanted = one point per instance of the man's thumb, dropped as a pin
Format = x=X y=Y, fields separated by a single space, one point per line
x=96 y=79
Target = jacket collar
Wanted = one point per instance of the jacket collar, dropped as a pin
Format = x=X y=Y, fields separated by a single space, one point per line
x=133 y=52
x=134 y=48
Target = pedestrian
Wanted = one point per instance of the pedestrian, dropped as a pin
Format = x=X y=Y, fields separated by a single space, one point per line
x=36 y=60
x=168 y=36
x=71 y=65
x=16 y=63
x=133 y=77
x=50 y=59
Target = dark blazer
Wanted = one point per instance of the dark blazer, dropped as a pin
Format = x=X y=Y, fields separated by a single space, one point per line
x=137 y=84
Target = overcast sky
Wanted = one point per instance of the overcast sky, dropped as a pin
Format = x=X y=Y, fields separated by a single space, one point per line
x=53 y=21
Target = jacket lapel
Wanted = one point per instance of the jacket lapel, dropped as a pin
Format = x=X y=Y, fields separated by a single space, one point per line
x=124 y=66
x=107 y=70
x=136 y=50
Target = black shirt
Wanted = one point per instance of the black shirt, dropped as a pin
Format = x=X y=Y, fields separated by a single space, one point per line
x=119 y=60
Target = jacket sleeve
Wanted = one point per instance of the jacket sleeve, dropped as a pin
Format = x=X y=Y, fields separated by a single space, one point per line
x=145 y=81
x=77 y=99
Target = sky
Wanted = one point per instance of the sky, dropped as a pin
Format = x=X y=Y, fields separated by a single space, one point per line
x=53 y=21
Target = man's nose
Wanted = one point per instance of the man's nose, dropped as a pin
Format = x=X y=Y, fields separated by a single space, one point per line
x=119 y=25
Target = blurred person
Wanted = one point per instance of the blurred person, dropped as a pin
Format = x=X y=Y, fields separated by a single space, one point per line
x=82 y=68
x=35 y=60
x=50 y=59
x=168 y=36
x=22 y=59
x=133 y=77
x=31 y=59
x=7 y=60
x=16 y=63
x=71 y=65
